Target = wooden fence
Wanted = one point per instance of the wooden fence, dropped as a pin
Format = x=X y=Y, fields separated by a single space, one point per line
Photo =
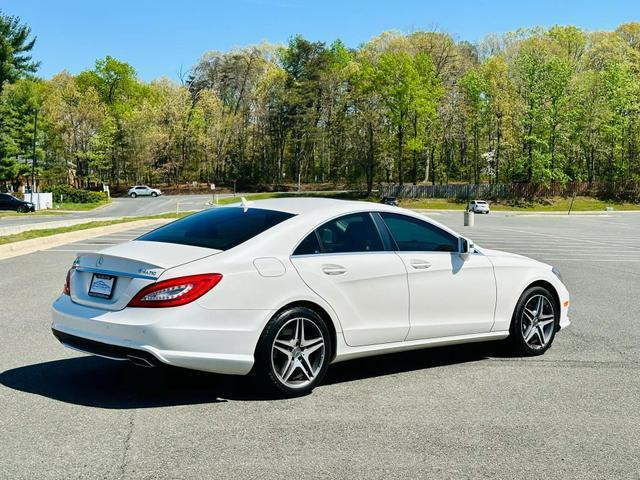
x=512 y=190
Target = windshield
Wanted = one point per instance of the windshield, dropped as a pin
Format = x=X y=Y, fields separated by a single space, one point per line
x=219 y=228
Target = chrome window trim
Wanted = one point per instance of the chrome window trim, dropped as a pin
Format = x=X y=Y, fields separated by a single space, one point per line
x=328 y=254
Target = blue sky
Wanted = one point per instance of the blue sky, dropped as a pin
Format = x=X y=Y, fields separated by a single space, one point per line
x=161 y=38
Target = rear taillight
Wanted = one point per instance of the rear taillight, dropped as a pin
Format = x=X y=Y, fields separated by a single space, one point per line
x=66 y=289
x=175 y=291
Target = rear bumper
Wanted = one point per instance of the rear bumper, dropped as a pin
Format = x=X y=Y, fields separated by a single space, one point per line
x=113 y=352
x=190 y=336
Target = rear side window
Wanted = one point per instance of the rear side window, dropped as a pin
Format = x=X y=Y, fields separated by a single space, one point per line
x=414 y=235
x=351 y=233
x=308 y=246
x=220 y=228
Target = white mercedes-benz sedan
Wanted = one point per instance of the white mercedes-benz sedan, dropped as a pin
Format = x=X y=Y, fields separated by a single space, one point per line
x=282 y=288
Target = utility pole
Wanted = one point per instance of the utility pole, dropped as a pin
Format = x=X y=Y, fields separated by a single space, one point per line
x=33 y=159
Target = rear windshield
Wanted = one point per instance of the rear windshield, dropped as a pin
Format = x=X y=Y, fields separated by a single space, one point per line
x=220 y=228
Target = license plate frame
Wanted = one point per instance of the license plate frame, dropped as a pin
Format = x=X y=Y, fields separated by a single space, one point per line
x=105 y=285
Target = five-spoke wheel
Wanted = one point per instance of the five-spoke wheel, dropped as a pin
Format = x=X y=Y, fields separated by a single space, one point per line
x=298 y=352
x=534 y=322
x=293 y=352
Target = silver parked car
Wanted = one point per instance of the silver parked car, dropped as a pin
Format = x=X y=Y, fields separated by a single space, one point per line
x=478 y=206
x=143 y=190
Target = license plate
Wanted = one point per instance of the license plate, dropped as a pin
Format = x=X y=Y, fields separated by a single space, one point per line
x=101 y=285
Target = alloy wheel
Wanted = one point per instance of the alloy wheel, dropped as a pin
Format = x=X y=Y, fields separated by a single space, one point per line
x=538 y=322
x=297 y=352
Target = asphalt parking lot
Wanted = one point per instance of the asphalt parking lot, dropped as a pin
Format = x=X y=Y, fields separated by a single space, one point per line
x=456 y=412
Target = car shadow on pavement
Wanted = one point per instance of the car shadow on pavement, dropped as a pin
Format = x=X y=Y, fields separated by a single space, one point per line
x=97 y=382
x=401 y=362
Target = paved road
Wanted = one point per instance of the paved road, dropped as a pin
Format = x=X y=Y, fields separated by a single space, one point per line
x=120 y=207
x=462 y=412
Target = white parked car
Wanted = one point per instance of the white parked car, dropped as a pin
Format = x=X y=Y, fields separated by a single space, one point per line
x=143 y=191
x=478 y=206
x=284 y=287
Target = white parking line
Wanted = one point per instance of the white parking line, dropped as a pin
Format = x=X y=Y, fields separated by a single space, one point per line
x=621 y=259
x=68 y=250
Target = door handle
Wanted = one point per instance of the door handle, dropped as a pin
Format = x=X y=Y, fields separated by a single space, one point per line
x=419 y=264
x=331 y=269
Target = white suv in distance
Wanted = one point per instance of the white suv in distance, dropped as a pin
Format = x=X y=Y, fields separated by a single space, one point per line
x=478 y=206
x=143 y=190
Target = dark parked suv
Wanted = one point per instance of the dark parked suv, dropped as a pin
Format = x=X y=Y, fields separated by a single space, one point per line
x=9 y=202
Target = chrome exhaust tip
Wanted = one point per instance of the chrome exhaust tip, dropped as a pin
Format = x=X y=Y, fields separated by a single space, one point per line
x=139 y=361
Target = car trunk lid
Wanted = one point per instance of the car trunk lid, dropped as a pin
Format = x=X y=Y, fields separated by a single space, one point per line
x=127 y=268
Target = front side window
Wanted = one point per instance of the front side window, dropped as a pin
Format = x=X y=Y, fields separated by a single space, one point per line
x=218 y=228
x=351 y=233
x=413 y=235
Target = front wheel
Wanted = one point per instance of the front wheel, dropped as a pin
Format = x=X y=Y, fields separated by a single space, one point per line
x=534 y=322
x=293 y=352
x=154 y=194
x=133 y=195
x=22 y=209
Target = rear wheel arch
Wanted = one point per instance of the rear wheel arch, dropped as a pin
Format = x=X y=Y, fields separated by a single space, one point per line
x=320 y=311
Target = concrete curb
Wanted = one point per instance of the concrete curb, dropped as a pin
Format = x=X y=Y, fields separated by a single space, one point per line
x=36 y=244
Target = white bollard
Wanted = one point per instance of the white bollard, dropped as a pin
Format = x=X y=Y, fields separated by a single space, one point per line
x=469 y=218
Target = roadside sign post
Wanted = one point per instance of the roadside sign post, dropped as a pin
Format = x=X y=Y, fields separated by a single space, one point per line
x=214 y=198
x=571 y=204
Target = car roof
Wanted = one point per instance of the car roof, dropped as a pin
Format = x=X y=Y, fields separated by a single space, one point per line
x=301 y=205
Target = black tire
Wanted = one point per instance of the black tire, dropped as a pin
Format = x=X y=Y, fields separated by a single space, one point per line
x=133 y=195
x=154 y=194
x=22 y=209
x=520 y=323
x=264 y=372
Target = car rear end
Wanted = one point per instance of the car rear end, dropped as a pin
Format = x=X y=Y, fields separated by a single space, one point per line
x=155 y=301
x=480 y=206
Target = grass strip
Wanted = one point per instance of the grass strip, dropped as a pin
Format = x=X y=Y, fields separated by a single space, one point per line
x=46 y=232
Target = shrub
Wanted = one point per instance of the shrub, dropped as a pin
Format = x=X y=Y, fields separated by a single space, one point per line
x=75 y=195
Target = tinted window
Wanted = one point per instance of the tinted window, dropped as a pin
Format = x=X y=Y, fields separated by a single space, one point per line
x=219 y=228
x=309 y=245
x=4 y=196
x=351 y=233
x=414 y=235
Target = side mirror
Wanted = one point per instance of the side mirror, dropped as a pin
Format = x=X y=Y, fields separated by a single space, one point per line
x=466 y=247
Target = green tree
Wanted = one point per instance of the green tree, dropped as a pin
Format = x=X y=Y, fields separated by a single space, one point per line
x=15 y=45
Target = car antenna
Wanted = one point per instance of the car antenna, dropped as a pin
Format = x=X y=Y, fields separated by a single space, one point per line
x=245 y=203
